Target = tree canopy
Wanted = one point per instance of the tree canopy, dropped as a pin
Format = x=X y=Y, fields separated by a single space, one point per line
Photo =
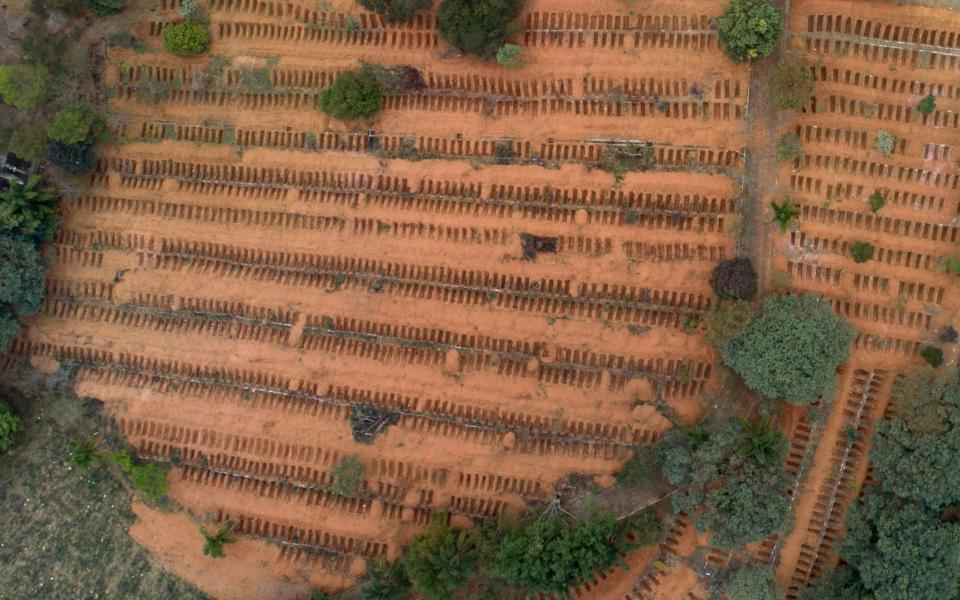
x=749 y=29
x=397 y=11
x=837 y=584
x=21 y=277
x=441 y=560
x=478 y=27
x=76 y=124
x=792 y=349
x=753 y=582
x=354 y=94
x=29 y=210
x=734 y=279
x=186 y=38
x=25 y=86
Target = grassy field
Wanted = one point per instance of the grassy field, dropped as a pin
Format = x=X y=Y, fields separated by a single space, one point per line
x=63 y=534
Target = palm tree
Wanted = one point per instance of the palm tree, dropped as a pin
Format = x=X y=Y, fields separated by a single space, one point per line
x=29 y=210
x=213 y=546
x=761 y=442
x=784 y=213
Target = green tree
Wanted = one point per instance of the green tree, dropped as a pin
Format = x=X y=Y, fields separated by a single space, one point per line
x=81 y=453
x=213 y=542
x=29 y=210
x=753 y=582
x=387 y=581
x=478 y=27
x=552 y=555
x=840 y=583
x=397 y=11
x=933 y=355
x=510 y=55
x=21 y=284
x=75 y=159
x=187 y=38
x=760 y=441
x=9 y=426
x=902 y=550
x=30 y=141
x=785 y=213
x=749 y=29
x=789 y=147
x=25 y=86
x=877 y=201
x=927 y=105
x=102 y=8
x=791 y=82
x=347 y=476
x=728 y=319
x=76 y=124
x=151 y=479
x=441 y=560
x=792 y=350
x=354 y=94
x=861 y=252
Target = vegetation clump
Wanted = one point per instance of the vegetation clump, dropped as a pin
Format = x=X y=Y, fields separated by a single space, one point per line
x=24 y=86
x=102 y=8
x=441 y=561
x=187 y=38
x=387 y=581
x=754 y=582
x=885 y=143
x=734 y=279
x=749 y=29
x=789 y=147
x=933 y=355
x=877 y=201
x=81 y=453
x=148 y=478
x=791 y=82
x=785 y=213
x=347 y=476
x=478 y=27
x=76 y=124
x=21 y=284
x=368 y=420
x=213 y=542
x=397 y=11
x=861 y=252
x=927 y=105
x=354 y=94
x=29 y=210
x=792 y=350
x=620 y=159
x=510 y=55
x=75 y=159
x=728 y=319
x=9 y=426
x=30 y=142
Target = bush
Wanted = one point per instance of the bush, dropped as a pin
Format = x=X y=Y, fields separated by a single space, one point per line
x=75 y=159
x=927 y=105
x=620 y=159
x=791 y=82
x=948 y=335
x=861 y=251
x=21 y=279
x=789 y=147
x=749 y=29
x=388 y=581
x=728 y=319
x=751 y=583
x=29 y=210
x=187 y=38
x=646 y=527
x=477 y=27
x=193 y=12
x=877 y=201
x=76 y=124
x=791 y=350
x=440 y=561
x=642 y=468
x=102 y=8
x=933 y=356
x=9 y=426
x=29 y=142
x=80 y=453
x=24 y=86
x=151 y=479
x=354 y=94
x=347 y=476
x=397 y=11
x=837 y=584
x=734 y=279
x=785 y=213
x=213 y=542
x=885 y=143
x=41 y=48
x=510 y=55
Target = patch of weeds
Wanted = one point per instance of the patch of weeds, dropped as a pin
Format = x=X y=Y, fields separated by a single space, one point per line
x=125 y=39
x=255 y=81
x=619 y=159
x=532 y=245
x=169 y=131
x=503 y=152
x=789 y=147
x=877 y=201
x=885 y=142
x=368 y=420
x=152 y=92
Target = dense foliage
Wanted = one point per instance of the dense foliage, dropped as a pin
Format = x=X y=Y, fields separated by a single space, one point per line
x=213 y=542
x=186 y=38
x=877 y=201
x=792 y=350
x=932 y=355
x=25 y=86
x=728 y=319
x=789 y=147
x=352 y=95
x=927 y=105
x=76 y=124
x=784 y=213
x=731 y=493
x=734 y=279
x=397 y=11
x=75 y=159
x=29 y=210
x=837 y=584
x=388 y=581
x=642 y=468
x=478 y=27
x=751 y=583
x=749 y=29
x=791 y=82
x=861 y=251
x=9 y=426
x=102 y=8
x=347 y=476
x=510 y=55
x=441 y=560
x=30 y=141
x=21 y=284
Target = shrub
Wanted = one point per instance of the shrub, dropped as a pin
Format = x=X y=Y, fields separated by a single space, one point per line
x=933 y=355
x=400 y=79
x=122 y=459
x=29 y=142
x=347 y=476
x=948 y=335
x=734 y=279
x=791 y=350
x=791 y=82
x=80 y=453
x=76 y=124
x=193 y=12
x=24 y=86
x=9 y=426
x=840 y=583
x=75 y=159
x=186 y=38
x=397 y=11
x=646 y=527
x=749 y=29
x=861 y=251
x=751 y=583
x=213 y=542
x=353 y=94
x=388 y=581
x=885 y=143
x=728 y=319
x=510 y=55
x=477 y=27
x=29 y=210
x=642 y=468
x=367 y=420
x=789 y=147
x=785 y=213
x=41 y=48
x=151 y=479
x=105 y=7
x=877 y=201
x=551 y=555
x=927 y=105
x=951 y=264
x=21 y=276
x=619 y=159
x=9 y=327
x=441 y=560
